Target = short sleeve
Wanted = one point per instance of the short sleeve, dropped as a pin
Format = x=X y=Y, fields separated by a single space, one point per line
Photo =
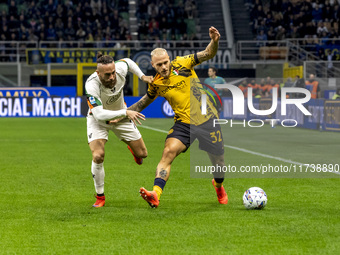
x=189 y=61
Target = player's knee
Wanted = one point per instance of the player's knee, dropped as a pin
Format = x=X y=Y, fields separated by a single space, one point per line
x=169 y=152
x=98 y=157
x=218 y=160
x=142 y=153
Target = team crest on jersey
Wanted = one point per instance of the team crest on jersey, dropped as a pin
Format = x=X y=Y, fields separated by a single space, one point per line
x=166 y=81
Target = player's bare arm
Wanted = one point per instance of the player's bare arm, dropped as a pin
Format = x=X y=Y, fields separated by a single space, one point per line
x=141 y=104
x=211 y=50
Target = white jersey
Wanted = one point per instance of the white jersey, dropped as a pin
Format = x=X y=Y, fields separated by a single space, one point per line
x=110 y=99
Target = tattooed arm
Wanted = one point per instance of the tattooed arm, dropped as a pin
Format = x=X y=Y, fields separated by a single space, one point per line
x=142 y=103
x=211 y=50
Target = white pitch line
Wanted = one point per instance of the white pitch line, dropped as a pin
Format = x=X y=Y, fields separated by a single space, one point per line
x=246 y=151
x=155 y=129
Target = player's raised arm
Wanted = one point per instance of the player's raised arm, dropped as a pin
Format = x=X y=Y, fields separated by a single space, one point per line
x=142 y=103
x=134 y=68
x=211 y=50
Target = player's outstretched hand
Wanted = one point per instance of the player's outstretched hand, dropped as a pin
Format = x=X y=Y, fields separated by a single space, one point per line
x=147 y=79
x=135 y=116
x=115 y=121
x=214 y=34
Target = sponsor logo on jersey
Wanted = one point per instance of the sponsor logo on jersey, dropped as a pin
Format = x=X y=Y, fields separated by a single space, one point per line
x=114 y=98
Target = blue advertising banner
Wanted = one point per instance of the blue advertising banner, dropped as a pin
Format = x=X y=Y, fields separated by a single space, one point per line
x=38 y=92
x=41 y=107
x=69 y=107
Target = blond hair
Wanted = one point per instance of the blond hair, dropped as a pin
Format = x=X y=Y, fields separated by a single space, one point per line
x=158 y=51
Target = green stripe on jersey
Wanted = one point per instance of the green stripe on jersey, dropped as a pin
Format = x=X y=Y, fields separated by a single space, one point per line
x=96 y=99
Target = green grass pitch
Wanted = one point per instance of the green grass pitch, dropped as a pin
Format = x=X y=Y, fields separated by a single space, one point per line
x=47 y=193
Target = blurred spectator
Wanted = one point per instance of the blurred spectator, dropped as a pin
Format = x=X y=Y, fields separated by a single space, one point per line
x=313 y=86
x=321 y=28
x=281 y=33
x=212 y=81
x=317 y=13
x=51 y=6
x=12 y=9
x=330 y=66
x=123 y=6
x=243 y=86
x=261 y=37
x=31 y=36
x=143 y=29
x=336 y=95
x=3 y=56
x=13 y=25
x=289 y=83
x=80 y=34
x=190 y=9
x=255 y=87
x=142 y=11
x=70 y=33
x=59 y=28
x=51 y=33
x=152 y=10
x=96 y=5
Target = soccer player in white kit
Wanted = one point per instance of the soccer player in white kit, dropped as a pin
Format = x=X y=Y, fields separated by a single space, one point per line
x=104 y=92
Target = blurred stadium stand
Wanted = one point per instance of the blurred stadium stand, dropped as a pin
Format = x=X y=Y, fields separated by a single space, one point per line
x=264 y=43
x=264 y=34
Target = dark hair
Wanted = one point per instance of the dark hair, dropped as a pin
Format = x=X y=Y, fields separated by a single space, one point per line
x=104 y=59
x=213 y=68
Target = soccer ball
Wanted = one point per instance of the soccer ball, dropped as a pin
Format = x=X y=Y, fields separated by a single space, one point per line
x=254 y=198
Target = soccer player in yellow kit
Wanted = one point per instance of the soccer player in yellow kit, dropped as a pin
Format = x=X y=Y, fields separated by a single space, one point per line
x=178 y=83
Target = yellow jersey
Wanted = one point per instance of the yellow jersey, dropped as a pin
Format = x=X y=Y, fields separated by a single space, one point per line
x=183 y=90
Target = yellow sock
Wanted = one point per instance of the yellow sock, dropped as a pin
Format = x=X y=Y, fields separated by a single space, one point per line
x=158 y=190
x=218 y=185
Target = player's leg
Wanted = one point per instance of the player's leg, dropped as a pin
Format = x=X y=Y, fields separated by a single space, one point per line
x=218 y=160
x=97 y=137
x=173 y=147
x=177 y=141
x=138 y=150
x=127 y=132
x=211 y=140
x=97 y=169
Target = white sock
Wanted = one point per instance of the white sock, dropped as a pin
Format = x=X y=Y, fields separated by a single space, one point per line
x=98 y=177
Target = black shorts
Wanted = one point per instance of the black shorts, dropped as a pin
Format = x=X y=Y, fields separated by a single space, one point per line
x=210 y=138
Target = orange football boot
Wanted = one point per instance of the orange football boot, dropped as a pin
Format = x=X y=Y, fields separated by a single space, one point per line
x=100 y=201
x=222 y=196
x=139 y=161
x=150 y=197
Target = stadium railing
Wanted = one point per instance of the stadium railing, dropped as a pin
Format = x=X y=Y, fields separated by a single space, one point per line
x=272 y=51
x=15 y=51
